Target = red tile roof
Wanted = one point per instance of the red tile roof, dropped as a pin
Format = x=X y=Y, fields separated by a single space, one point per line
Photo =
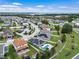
x=20 y=44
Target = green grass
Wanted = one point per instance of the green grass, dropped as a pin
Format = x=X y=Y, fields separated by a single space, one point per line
x=12 y=53
x=2 y=40
x=55 y=39
x=40 y=50
x=68 y=52
x=1 y=24
x=55 y=33
x=31 y=52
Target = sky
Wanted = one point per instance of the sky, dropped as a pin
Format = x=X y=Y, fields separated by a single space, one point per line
x=43 y=6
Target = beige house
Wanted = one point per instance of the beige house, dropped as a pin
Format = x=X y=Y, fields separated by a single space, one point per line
x=21 y=46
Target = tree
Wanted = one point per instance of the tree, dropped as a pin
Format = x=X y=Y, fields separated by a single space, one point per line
x=39 y=55
x=14 y=24
x=1 y=37
x=45 y=22
x=52 y=51
x=11 y=52
x=57 y=27
x=1 y=28
x=71 y=18
x=43 y=56
x=47 y=53
x=63 y=38
x=1 y=21
x=67 y=28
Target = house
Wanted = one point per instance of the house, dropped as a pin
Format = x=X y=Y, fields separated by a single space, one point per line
x=5 y=49
x=36 y=41
x=21 y=46
x=1 y=51
x=76 y=25
x=44 y=27
x=8 y=34
x=45 y=34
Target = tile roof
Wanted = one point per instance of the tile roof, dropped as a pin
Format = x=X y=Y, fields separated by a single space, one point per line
x=20 y=44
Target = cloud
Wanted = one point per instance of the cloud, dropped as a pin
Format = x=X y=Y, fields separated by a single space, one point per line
x=9 y=6
x=14 y=8
x=63 y=7
x=16 y=3
x=40 y=6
